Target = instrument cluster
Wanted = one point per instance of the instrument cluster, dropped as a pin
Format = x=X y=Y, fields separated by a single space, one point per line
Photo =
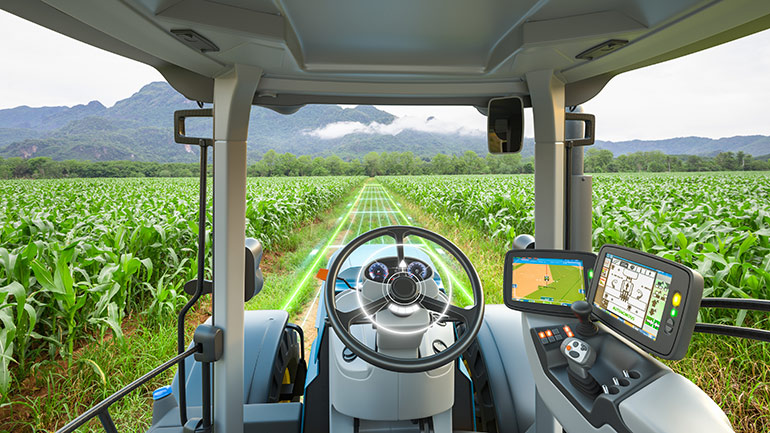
x=383 y=268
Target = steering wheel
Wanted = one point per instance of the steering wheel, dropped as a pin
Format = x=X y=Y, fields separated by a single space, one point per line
x=405 y=292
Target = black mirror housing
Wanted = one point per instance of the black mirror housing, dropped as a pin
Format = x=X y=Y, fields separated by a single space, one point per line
x=505 y=125
x=254 y=280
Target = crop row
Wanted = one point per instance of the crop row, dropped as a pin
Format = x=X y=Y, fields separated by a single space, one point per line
x=77 y=256
x=718 y=224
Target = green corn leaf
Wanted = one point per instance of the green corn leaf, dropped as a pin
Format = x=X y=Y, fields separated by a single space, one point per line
x=45 y=278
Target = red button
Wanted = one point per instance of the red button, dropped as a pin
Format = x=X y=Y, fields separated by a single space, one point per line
x=541 y=335
x=566 y=329
x=549 y=333
x=569 y=347
x=570 y=334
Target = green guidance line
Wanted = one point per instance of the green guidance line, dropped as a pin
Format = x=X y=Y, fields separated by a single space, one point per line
x=444 y=267
x=322 y=253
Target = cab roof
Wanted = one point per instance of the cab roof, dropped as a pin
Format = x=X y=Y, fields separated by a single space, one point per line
x=457 y=52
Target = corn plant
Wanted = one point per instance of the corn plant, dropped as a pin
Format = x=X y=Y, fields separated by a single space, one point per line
x=718 y=224
x=77 y=256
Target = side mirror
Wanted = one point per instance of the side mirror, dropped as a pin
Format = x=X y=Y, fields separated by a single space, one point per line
x=253 y=279
x=505 y=125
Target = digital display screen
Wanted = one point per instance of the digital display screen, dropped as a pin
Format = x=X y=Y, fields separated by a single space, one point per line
x=633 y=293
x=553 y=281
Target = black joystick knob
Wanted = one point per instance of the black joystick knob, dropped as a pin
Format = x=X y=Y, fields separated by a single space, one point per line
x=582 y=310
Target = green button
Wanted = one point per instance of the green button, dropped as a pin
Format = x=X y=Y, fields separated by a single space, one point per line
x=674 y=312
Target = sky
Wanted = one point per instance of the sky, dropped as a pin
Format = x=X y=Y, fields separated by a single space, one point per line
x=719 y=92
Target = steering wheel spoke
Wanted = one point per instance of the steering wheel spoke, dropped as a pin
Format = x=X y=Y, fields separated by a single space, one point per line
x=451 y=313
x=362 y=314
x=399 y=233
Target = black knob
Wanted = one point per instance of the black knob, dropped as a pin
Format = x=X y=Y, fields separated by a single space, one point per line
x=582 y=310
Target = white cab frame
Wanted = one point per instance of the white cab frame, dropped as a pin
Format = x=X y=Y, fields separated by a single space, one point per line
x=547 y=94
x=233 y=94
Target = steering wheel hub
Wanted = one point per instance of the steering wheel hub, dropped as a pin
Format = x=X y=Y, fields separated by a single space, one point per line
x=403 y=290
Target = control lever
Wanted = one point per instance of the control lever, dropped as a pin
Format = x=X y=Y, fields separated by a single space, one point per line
x=582 y=310
x=580 y=358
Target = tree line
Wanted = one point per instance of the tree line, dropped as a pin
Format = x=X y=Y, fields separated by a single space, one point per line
x=46 y=168
x=603 y=161
x=389 y=163
x=385 y=163
x=275 y=164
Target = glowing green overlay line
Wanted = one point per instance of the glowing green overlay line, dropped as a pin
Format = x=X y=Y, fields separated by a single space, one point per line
x=322 y=252
x=441 y=261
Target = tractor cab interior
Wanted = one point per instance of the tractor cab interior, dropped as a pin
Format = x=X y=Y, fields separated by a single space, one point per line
x=405 y=341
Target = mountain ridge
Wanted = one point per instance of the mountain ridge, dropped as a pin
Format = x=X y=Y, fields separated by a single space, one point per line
x=140 y=128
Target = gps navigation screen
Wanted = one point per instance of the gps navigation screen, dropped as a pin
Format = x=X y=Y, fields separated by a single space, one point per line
x=552 y=281
x=633 y=293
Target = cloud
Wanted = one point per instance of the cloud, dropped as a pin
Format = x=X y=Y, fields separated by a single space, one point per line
x=430 y=124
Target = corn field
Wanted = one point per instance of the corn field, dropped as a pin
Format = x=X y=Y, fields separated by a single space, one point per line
x=718 y=224
x=77 y=256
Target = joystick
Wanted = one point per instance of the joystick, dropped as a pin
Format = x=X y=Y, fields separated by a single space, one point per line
x=580 y=358
x=582 y=310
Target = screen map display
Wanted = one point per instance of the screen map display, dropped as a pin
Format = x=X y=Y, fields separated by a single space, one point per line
x=552 y=281
x=633 y=293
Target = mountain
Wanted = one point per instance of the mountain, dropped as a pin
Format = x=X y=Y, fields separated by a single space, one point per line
x=140 y=128
x=751 y=144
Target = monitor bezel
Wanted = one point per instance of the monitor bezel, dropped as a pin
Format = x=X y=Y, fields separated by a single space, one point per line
x=588 y=259
x=688 y=283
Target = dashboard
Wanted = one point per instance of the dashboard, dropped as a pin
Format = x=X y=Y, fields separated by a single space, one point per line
x=384 y=268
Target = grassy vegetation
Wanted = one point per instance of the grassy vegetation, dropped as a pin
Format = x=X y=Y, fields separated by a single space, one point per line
x=285 y=270
x=718 y=224
x=80 y=257
x=55 y=393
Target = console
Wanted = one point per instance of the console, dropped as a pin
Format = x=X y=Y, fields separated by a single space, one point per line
x=646 y=304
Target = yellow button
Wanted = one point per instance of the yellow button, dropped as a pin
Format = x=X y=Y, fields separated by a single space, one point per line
x=676 y=300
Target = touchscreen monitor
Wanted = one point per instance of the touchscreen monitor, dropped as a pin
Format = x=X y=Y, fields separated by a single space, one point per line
x=650 y=300
x=554 y=281
x=546 y=281
x=633 y=293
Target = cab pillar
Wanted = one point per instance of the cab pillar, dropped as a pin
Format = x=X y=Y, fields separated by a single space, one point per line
x=233 y=95
x=547 y=95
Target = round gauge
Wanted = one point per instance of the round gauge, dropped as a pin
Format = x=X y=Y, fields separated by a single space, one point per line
x=418 y=268
x=378 y=271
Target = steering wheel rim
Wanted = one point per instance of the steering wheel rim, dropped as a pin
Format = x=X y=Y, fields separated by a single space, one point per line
x=472 y=317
